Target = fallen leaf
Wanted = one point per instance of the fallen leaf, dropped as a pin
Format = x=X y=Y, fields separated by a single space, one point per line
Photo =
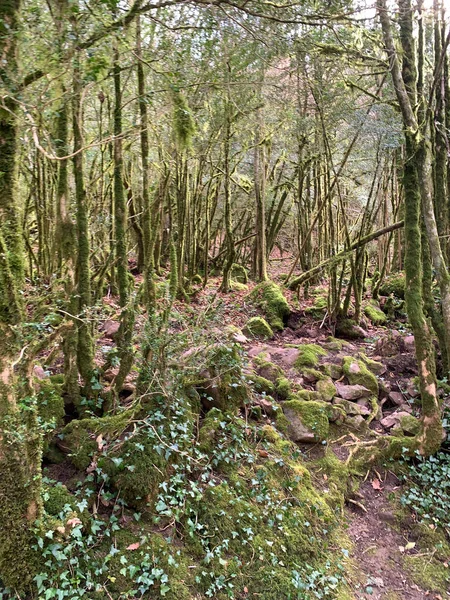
x=99 y=440
x=134 y=546
x=263 y=453
x=376 y=484
x=245 y=590
x=325 y=477
x=74 y=521
x=410 y=545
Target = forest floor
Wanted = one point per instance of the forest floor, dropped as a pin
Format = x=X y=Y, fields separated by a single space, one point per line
x=381 y=532
x=392 y=556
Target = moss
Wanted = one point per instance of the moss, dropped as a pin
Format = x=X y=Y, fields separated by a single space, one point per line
x=309 y=355
x=306 y=395
x=313 y=415
x=258 y=327
x=410 y=425
x=429 y=574
x=78 y=438
x=283 y=387
x=239 y=273
x=312 y=375
x=269 y=370
x=238 y=287
x=269 y=297
x=374 y=313
x=394 y=284
x=332 y=343
x=281 y=422
x=56 y=497
x=374 y=366
x=221 y=382
x=318 y=307
x=136 y=469
x=261 y=384
x=348 y=328
x=209 y=428
x=337 y=476
x=51 y=410
x=332 y=370
x=358 y=374
x=326 y=388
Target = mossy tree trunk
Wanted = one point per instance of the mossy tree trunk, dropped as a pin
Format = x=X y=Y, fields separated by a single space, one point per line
x=20 y=443
x=85 y=347
x=415 y=175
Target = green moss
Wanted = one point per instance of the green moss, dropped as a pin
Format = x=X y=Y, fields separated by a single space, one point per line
x=239 y=287
x=283 y=387
x=51 y=411
x=78 y=438
x=312 y=375
x=333 y=370
x=348 y=328
x=319 y=306
x=261 y=384
x=209 y=428
x=337 y=478
x=281 y=422
x=358 y=374
x=332 y=343
x=313 y=415
x=56 y=497
x=136 y=469
x=374 y=366
x=410 y=425
x=430 y=574
x=309 y=355
x=306 y=395
x=239 y=273
x=269 y=370
x=269 y=297
x=374 y=313
x=393 y=284
x=258 y=327
x=326 y=388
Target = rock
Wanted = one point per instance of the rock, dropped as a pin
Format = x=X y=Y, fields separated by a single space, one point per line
x=285 y=356
x=110 y=329
x=326 y=388
x=356 y=422
x=410 y=425
x=258 y=327
x=375 y=367
x=311 y=375
x=351 y=408
x=374 y=313
x=270 y=371
x=268 y=407
x=347 y=328
x=336 y=414
x=333 y=369
x=409 y=343
x=397 y=398
x=412 y=391
x=394 y=419
x=39 y=372
x=307 y=420
x=352 y=392
x=358 y=374
x=255 y=350
x=111 y=374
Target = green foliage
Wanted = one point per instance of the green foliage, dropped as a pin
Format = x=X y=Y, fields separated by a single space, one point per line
x=269 y=297
x=428 y=493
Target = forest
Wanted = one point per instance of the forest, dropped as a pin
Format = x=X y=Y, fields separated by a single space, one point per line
x=224 y=299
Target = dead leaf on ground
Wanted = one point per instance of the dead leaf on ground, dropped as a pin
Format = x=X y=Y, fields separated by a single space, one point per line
x=134 y=546
x=376 y=484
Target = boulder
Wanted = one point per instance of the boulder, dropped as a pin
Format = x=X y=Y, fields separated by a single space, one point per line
x=307 y=420
x=352 y=392
x=351 y=408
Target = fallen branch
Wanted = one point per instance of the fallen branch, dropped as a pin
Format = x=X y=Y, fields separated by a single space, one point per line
x=330 y=262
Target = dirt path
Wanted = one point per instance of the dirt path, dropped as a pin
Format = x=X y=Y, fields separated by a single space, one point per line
x=379 y=546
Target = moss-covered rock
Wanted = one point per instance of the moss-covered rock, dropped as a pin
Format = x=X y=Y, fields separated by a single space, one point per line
x=261 y=384
x=309 y=355
x=269 y=297
x=410 y=425
x=318 y=307
x=375 y=367
x=79 y=438
x=326 y=389
x=358 y=374
x=348 y=328
x=269 y=370
x=258 y=327
x=283 y=387
x=333 y=370
x=393 y=284
x=56 y=498
x=239 y=273
x=308 y=420
x=51 y=411
x=374 y=313
x=221 y=382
